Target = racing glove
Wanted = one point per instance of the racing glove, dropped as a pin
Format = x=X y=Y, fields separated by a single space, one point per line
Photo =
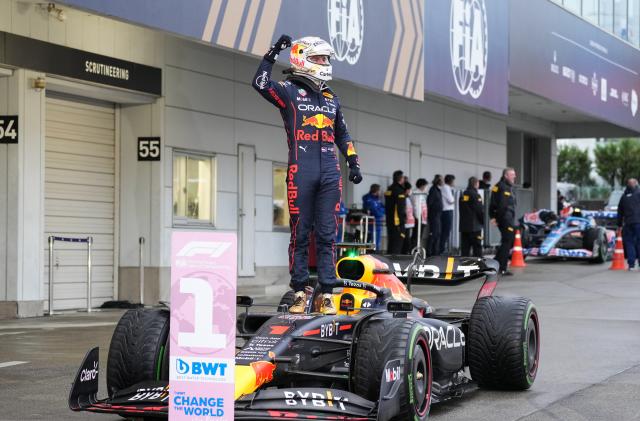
x=354 y=169
x=283 y=42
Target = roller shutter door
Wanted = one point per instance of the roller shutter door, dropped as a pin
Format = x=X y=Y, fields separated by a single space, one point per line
x=80 y=177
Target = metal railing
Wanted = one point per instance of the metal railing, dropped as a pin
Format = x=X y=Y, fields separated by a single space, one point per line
x=52 y=239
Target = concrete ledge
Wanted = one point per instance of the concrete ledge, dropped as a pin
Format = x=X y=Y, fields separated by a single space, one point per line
x=31 y=308
x=8 y=310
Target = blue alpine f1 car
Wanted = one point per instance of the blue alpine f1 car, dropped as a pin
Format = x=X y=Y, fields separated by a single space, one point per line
x=574 y=234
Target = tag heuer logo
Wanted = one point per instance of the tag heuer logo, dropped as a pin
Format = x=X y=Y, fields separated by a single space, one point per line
x=469 y=45
x=346 y=28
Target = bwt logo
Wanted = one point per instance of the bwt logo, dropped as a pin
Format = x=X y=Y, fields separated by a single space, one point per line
x=204 y=248
x=199 y=368
x=469 y=45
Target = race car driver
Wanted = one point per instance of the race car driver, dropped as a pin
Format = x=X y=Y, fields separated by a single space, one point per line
x=314 y=122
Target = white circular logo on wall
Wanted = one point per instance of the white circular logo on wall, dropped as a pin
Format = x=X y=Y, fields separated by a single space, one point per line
x=346 y=28
x=469 y=45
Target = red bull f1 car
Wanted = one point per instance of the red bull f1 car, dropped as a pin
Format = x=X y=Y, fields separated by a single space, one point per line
x=385 y=355
x=575 y=234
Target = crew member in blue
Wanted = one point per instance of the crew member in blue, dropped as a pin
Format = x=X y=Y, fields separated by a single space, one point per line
x=314 y=122
x=371 y=203
x=629 y=221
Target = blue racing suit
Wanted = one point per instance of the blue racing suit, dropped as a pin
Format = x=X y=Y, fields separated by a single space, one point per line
x=314 y=123
x=372 y=204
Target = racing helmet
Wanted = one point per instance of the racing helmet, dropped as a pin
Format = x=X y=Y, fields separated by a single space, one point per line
x=311 y=57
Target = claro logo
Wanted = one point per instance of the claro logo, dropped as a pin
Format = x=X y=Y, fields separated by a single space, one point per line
x=87 y=375
x=469 y=45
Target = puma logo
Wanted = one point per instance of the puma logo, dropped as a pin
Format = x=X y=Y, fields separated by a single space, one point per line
x=304 y=148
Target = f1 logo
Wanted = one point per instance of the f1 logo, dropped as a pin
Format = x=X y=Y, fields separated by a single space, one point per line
x=206 y=248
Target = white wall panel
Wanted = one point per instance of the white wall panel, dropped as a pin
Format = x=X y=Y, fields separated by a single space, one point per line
x=199 y=92
x=460 y=147
x=227 y=210
x=264 y=213
x=427 y=113
x=264 y=177
x=492 y=155
x=201 y=58
x=275 y=254
x=251 y=106
x=460 y=121
x=227 y=173
x=431 y=141
x=492 y=129
x=270 y=141
x=199 y=131
x=381 y=131
x=381 y=161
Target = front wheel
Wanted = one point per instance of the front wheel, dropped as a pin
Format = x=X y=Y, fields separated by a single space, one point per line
x=386 y=340
x=504 y=343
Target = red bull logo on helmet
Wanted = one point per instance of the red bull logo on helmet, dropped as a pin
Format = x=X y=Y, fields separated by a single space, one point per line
x=319 y=121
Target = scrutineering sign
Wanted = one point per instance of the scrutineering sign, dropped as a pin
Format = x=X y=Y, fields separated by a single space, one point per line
x=203 y=313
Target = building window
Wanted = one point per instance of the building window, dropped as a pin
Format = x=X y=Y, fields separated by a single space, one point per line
x=606 y=15
x=193 y=189
x=634 y=22
x=280 y=204
x=620 y=27
x=590 y=10
x=573 y=6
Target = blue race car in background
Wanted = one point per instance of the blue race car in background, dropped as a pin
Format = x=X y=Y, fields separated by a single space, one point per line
x=574 y=234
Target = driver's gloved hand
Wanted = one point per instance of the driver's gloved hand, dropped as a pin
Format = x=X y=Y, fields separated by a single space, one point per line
x=354 y=169
x=282 y=43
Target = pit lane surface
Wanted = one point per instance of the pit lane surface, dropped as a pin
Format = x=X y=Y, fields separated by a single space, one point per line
x=590 y=359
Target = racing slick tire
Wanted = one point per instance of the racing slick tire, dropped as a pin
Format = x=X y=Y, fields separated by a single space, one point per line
x=503 y=344
x=139 y=349
x=389 y=339
x=597 y=237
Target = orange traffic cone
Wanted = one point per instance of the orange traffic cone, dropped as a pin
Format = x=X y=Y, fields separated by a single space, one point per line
x=618 y=254
x=517 y=258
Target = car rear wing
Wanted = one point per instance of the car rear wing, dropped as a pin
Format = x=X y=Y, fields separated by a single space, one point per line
x=607 y=219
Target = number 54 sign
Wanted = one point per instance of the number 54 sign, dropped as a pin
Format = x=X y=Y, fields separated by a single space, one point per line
x=9 y=129
x=203 y=312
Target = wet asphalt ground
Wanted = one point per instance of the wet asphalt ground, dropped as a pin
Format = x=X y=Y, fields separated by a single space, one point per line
x=589 y=370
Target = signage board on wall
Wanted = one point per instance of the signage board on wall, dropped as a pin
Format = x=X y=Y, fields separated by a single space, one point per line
x=378 y=44
x=466 y=50
x=202 y=338
x=570 y=61
x=148 y=149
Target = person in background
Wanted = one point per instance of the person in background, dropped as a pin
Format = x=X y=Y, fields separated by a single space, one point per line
x=373 y=205
x=448 y=204
x=629 y=222
x=419 y=201
x=502 y=210
x=394 y=205
x=471 y=220
x=410 y=220
x=485 y=183
x=434 y=216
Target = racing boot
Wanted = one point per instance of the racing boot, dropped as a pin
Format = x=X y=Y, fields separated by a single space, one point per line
x=299 y=302
x=327 y=307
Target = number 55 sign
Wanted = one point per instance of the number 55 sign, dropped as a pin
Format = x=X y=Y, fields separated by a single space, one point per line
x=148 y=149
x=203 y=312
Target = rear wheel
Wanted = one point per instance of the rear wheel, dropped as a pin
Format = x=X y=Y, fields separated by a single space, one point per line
x=504 y=343
x=139 y=349
x=595 y=239
x=386 y=340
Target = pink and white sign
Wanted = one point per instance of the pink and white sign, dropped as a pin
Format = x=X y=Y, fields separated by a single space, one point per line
x=203 y=315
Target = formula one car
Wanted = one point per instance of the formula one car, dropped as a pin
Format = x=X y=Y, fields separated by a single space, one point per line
x=575 y=234
x=385 y=355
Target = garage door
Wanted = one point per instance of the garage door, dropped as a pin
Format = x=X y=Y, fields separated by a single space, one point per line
x=80 y=152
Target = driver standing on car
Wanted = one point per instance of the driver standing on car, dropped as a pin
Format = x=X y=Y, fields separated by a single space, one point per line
x=503 y=210
x=314 y=122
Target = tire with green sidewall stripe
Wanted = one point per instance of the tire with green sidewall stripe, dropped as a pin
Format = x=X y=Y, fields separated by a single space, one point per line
x=139 y=349
x=385 y=340
x=503 y=344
